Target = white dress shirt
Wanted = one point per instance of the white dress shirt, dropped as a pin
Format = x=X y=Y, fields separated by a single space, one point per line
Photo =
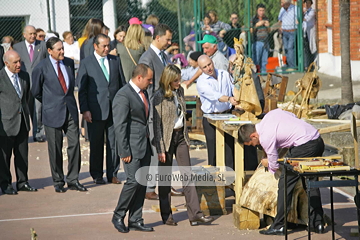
x=10 y=75
x=106 y=61
x=28 y=48
x=211 y=89
x=63 y=70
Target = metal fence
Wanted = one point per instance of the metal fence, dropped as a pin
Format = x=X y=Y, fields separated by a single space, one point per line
x=183 y=16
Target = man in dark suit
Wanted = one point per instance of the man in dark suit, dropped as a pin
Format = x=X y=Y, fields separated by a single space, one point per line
x=131 y=112
x=100 y=77
x=156 y=58
x=53 y=85
x=32 y=52
x=1 y=57
x=14 y=123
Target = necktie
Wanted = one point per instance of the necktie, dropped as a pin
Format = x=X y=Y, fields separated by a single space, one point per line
x=146 y=104
x=104 y=68
x=31 y=54
x=61 y=78
x=16 y=85
x=163 y=58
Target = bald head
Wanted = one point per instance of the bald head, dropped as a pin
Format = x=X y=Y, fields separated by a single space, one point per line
x=29 y=33
x=206 y=65
x=12 y=61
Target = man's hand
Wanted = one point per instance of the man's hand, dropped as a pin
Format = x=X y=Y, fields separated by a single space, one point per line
x=126 y=159
x=265 y=162
x=233 y=101
x=113 y=52
x=87 y=116
x=162 y=157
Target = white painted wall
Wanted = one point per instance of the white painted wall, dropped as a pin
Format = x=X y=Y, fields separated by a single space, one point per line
x=35 y=13
x=331 y=65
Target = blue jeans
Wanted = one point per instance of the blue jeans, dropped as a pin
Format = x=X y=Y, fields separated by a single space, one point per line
x=260 y=55
x=289 y=47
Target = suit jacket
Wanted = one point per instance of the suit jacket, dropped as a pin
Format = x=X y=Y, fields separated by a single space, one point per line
x=40 y=52
x=95 y=92
x=13 y=108
x=130 y=123
x=164 y=119
x=151 y=59
x=47 y=89
x=1 y=57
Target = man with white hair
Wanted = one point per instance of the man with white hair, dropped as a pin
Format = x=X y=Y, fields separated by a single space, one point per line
x=32 y=51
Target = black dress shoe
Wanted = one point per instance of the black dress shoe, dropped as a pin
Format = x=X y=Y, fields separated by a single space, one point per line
x=318 y=229
x=203 y=219
x=99 y=180
x=119 y=224
x=39 y=139
x=9 y=190
x=175 y=193
x=139 y=226
x=27 y=188
x=77 y=186
x=273 y=231
x=59 y=189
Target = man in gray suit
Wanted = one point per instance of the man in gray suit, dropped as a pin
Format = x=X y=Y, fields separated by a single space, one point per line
x=53 y=85
x=131 y=110
x=156 y=58
x=14 y=123
x=32 y=52
x=100 y=77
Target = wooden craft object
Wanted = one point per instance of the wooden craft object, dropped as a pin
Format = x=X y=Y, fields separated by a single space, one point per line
x=244 y=90
x=309 y=86
x=274 y=91
x=260 y=195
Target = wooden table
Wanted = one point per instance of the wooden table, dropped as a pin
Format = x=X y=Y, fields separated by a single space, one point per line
x=221 y=129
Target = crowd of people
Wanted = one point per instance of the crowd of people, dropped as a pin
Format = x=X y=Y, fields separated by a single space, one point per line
x=131 y=101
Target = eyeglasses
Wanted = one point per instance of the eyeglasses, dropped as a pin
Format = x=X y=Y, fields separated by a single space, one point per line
x=41 y=36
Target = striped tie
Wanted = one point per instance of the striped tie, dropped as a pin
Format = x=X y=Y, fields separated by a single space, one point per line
x=16 y=85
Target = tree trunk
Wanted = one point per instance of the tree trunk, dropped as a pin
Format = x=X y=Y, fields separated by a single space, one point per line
x=346 y=81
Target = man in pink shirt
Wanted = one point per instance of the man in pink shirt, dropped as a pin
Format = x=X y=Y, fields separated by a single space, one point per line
x=281 y=129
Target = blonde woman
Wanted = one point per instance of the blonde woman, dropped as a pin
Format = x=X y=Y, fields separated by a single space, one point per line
x=171 y=137
x=131 y=49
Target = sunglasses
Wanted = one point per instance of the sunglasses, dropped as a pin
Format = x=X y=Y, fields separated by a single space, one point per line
x=179 y=110
x=41 y=36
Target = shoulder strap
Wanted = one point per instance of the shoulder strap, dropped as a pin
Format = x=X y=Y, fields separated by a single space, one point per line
x=127 y=49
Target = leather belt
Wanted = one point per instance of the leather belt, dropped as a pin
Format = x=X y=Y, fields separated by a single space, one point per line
x=289 y=30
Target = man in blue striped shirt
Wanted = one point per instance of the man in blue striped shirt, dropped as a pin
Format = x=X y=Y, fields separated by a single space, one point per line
x=288 y=19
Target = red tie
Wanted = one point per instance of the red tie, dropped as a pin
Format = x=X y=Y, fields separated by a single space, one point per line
x=146 y=104
x=61 y=78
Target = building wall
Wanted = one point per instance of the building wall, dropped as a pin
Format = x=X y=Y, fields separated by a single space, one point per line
x=35 y=13
x=330 y=39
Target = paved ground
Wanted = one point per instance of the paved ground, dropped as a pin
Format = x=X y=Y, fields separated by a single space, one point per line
x=76 y=215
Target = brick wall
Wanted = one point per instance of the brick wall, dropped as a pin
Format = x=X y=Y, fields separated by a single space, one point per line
x=335 y=26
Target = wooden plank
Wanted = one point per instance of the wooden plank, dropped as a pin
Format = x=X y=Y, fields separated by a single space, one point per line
x=335 y=121
x=220 y=147
x=197 y=136
x=239 y=171
x=199 y=115
x=337 y=128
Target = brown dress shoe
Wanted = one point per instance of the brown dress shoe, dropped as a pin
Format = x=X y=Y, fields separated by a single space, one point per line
x=114 y=180
x=151 y=196
x=175 y=193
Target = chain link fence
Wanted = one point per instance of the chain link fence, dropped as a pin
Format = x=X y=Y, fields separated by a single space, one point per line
x=185 y=17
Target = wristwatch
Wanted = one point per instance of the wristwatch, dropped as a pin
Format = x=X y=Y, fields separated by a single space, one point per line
x=229 y=99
